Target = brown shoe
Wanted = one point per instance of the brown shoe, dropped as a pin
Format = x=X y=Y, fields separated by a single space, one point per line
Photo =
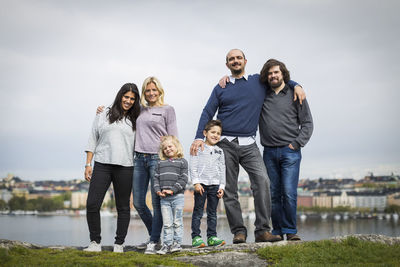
x=239 y=238
x=268 y=237
x=292 y=237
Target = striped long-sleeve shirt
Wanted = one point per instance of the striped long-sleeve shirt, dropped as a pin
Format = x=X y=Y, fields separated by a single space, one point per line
x=208 y=167
x=171 y=174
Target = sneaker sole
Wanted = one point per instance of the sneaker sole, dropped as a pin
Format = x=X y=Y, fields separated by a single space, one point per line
x=219 y=245
x=200 y=246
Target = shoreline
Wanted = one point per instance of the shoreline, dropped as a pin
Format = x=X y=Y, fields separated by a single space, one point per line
x=302 y=215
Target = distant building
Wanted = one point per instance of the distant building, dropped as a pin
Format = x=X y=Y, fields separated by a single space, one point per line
x=20 y=192
x=304 y=199
x=342 y=200
x=78 y=199
x=324 y=199
x=393 y=199
x=5 y=195
x=369 y=200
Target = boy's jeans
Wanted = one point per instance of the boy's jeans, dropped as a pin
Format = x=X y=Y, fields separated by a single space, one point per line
x=172 y=209
x=210 y=193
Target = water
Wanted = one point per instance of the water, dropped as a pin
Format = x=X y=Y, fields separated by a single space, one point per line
x=73 y=230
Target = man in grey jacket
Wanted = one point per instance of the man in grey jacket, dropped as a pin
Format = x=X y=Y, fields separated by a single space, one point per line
x=285 y=126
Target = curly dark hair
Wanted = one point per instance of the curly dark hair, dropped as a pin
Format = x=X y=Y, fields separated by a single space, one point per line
x=272 y=63
x=116 y=113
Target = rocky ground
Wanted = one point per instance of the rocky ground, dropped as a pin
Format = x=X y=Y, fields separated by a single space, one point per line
x=229 y=255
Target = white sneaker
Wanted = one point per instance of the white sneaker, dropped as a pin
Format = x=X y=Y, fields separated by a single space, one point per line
x=151 y=248
x=175 y=247
x=143 y=245
x=164 y=250
x=118 y=248
x=93 y=247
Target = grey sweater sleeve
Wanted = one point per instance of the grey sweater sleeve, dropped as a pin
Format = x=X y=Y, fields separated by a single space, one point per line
x=306 y=125
x=182 y=178
x=94 y=135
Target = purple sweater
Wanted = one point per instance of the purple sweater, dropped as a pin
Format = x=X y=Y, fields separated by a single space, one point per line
x=152 y=123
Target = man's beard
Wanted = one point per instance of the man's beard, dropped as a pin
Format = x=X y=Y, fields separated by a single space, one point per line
x=236 y=72
x=275 y=85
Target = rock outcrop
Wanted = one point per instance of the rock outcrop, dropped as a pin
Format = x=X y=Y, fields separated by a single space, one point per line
x=227 y=256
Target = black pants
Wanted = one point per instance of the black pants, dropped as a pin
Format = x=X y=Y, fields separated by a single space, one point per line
x=103 y=175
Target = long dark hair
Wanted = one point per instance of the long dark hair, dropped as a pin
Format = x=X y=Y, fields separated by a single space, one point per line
x=272 y=63
x=116 y=113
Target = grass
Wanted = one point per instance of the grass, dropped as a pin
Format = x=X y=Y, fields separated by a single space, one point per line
x=20 y=256
x=350 y=252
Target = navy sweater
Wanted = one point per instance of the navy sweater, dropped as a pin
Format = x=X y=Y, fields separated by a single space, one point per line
x=239 y=106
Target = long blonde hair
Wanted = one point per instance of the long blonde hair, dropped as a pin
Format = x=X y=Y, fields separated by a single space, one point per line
x=160 y=89
x=175 y=142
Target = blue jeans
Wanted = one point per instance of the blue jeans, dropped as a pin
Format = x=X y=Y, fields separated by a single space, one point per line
x=210 y=193
x=143 y=172
x=283 y=166
x=172 y=209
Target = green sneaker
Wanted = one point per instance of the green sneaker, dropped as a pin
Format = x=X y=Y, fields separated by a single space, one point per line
x=215 y=241
x=197 y=242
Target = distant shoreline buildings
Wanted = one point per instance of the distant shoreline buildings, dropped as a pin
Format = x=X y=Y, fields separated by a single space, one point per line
x=373 y=193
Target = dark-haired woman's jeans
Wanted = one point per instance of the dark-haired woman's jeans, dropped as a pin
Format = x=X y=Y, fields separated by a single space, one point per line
x=283 y=166
x=103 y=175
x=145 y=165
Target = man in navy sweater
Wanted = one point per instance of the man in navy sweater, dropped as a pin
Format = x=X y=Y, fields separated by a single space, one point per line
x=239 y=105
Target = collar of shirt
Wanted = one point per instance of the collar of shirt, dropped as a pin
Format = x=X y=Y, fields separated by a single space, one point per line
x=233 y=79
x=242 y=140
x=284 y=90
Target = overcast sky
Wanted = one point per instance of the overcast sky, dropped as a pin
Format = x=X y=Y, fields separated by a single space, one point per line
x=60 y=59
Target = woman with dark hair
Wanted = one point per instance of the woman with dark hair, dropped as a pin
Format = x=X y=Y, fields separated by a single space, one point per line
x=111 y=143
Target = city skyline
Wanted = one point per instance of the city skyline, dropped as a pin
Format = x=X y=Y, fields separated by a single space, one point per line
x=60 y=60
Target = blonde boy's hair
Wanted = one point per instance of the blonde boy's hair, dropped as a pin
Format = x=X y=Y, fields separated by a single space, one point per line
x=160 y=89
x=173 y=140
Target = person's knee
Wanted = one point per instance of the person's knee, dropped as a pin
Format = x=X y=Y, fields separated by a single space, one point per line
x=123 y=208
x=140 y=206
x=93 y=206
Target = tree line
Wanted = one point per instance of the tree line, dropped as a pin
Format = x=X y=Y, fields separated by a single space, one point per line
x=39 y=204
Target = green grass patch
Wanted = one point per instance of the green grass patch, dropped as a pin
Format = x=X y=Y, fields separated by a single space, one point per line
x=350 y=252
x=20 y=256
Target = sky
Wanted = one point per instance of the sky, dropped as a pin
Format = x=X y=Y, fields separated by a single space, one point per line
x=59 y=60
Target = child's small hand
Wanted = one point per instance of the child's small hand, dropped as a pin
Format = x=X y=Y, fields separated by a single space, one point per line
x=198 y=188
x=220 y=193
x=167 y=192
x=160 y=194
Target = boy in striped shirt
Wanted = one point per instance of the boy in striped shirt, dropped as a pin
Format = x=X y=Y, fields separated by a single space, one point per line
x=207 y=171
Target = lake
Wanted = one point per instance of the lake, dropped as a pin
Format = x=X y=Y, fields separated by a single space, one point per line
x=73 y=230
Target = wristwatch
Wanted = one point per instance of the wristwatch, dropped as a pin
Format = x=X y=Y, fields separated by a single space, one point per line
x=88 y=165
